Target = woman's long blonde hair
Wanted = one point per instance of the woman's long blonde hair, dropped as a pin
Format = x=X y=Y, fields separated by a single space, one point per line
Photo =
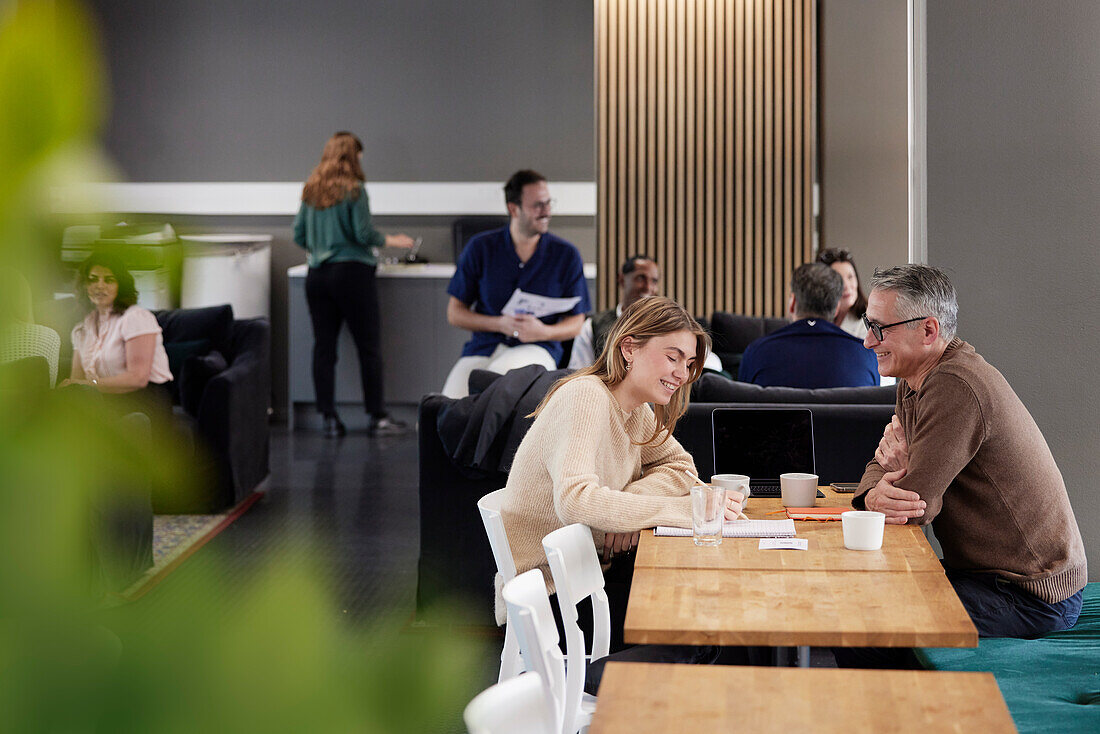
x=641 y=321
x=338 y=175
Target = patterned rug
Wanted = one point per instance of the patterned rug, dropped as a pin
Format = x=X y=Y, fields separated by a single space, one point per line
x=177 y=537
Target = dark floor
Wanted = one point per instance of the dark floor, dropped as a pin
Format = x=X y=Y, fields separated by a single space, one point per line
x=355 y=501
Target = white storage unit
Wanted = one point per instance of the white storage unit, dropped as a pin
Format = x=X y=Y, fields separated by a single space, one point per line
x=228 y=268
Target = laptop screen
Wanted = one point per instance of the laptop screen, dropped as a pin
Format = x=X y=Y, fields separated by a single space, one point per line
x=763 y=442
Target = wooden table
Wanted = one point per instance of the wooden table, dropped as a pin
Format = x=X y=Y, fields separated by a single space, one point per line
x=639 y=698
x=736 y=594
x=794 y=608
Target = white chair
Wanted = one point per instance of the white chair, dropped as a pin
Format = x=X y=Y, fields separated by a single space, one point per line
x=530 y=615
x=575 y=567
x=511 y=664
x=20 y=340
x=519 y=705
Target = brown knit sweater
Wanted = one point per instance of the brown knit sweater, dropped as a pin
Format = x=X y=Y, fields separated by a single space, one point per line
x=579 y=463
x=995 y=497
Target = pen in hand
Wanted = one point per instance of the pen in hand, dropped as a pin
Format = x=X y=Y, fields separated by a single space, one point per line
x=740 y=515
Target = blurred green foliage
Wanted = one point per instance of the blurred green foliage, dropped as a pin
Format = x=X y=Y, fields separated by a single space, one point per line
x=196 y=654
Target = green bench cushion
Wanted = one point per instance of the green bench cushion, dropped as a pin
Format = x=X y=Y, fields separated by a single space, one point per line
x=1051 y=683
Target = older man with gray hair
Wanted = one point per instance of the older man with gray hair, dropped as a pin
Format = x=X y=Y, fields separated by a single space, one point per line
x=963 y=453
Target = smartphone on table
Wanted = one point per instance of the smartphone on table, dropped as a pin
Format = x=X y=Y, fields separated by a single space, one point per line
x=845 y=487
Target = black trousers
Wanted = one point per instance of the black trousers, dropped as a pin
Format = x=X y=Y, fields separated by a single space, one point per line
x=339 y=292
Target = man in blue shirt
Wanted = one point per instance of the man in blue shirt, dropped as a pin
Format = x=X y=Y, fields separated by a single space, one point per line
x=812 y=351
x=522 y=256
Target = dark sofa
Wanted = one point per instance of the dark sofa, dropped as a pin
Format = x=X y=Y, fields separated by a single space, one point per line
x=221 y=367
x=733 y=332
x=848 y=421
x=456 y=564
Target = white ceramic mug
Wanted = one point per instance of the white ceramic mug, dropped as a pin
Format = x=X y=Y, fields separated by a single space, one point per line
x=798 y=489
x=863 y=529
x=735 y=482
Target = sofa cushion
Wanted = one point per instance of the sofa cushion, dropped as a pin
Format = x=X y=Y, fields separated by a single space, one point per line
x=214 y=323
x=197 y=371
x=1051 y=683
x=733 y=332
x=712 y=388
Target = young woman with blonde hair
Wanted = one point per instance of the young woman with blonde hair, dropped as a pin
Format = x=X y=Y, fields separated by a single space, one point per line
x=601 y=452
x=334 y=225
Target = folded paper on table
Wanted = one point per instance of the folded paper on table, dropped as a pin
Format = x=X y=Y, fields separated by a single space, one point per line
x=784 y=544
x=739 y=529
x=538 y=306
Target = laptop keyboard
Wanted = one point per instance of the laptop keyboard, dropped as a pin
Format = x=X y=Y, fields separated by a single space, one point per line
x=769 y=490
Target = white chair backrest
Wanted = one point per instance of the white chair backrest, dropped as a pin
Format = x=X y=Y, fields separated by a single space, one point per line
x=19 y=341
x=511 y=664
x=489 y=506
x=520 y=705
x=530 y=615
x=575 y=566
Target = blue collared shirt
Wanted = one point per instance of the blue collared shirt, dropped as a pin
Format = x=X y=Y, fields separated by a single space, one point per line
x=809 y=353
x=488 y=271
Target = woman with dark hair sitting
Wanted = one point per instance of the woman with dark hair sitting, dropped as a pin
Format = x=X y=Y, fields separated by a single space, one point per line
x=853 y=302
x=118 y=347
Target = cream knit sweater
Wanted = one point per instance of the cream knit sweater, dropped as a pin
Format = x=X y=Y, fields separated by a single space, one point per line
x=579 y=463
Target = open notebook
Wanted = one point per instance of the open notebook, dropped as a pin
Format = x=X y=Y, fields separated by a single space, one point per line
x=739 y=529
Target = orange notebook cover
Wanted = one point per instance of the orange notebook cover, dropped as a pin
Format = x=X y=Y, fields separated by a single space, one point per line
x=816 y=513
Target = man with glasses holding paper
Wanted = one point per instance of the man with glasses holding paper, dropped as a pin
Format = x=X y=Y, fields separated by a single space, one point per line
x=519 y=289
x=964 y=454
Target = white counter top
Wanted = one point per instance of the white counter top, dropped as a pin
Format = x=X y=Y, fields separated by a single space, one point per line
x=417 y=270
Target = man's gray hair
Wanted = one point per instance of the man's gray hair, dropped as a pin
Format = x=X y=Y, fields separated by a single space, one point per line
x=817 y=289
x=922 y=291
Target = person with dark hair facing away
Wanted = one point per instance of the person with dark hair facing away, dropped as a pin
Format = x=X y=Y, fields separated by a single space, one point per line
x=812 y=351
x=522 y=256
x=853 y=302
x=334 y=225
x=638 y=277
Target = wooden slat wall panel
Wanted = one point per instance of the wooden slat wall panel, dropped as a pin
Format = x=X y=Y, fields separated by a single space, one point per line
x=703 y=145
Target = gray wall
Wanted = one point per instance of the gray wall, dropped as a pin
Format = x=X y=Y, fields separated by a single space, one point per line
x=1013 y=196
x=439 y=90
x=863 y=130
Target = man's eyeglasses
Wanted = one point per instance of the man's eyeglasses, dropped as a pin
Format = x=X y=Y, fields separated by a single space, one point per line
x=877 y=329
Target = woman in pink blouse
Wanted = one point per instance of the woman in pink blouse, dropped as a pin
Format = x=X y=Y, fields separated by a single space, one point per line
x=118 y=347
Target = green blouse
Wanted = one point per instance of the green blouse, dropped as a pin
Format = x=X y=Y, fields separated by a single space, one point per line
x=339 y=233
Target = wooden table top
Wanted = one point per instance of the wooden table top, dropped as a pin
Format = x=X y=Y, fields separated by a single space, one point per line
x=904 y=547
x=818 y=608
x=639 y=698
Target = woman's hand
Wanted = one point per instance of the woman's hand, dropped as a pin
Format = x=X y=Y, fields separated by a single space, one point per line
x=619 y=543
x=735 y=503
x=399 y=240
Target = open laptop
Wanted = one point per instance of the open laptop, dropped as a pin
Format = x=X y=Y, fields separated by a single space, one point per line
x=763 y=443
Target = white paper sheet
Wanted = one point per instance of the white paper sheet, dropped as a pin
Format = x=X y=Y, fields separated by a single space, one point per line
x=538 y=306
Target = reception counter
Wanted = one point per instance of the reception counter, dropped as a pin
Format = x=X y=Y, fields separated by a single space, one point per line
x=419 y=347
